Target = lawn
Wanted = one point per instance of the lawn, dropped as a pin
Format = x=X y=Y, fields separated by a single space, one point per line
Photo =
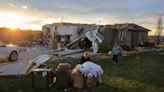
x=134 y=73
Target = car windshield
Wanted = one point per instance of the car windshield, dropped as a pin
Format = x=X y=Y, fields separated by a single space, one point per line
x=2 y=44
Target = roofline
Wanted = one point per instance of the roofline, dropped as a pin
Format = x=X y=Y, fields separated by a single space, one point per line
x=115 y=25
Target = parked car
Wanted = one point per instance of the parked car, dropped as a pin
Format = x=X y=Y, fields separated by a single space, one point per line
x=8 y=51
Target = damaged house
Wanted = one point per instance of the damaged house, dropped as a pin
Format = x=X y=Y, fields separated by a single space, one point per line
x=73 y=35
x=129 y=34
x=60 y=34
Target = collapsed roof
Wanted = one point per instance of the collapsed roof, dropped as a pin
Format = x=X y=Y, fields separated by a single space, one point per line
x=92 y=35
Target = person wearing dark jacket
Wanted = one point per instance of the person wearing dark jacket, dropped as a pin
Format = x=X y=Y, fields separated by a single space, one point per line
x=85 y=57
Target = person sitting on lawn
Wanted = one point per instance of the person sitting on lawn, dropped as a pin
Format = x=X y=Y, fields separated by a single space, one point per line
x=85 y=57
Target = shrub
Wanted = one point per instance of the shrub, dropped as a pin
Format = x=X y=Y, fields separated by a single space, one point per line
x=125 y=47
x=104 y=48
x=147 y=44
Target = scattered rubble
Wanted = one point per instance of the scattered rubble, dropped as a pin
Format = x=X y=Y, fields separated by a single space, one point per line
x=92 y=35
x=67 y=52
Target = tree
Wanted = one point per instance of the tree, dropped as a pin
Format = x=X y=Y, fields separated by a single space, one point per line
x=159 y=28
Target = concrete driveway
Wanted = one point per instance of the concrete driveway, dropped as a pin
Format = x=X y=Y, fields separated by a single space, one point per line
x=33 y=52
x=29 y=53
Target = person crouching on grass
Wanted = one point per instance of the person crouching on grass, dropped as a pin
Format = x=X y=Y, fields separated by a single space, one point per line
x=85 y=57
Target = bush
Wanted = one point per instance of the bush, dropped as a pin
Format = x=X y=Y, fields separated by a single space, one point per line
x=147 y=44
x=104 y=48
x=125 y=47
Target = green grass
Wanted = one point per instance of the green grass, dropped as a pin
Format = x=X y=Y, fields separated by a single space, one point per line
x=135 y=73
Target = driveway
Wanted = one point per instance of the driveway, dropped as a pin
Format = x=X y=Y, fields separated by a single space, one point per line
x=29 y=53
x=33 y=52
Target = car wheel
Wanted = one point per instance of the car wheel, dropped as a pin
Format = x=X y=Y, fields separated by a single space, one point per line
x=13 y=56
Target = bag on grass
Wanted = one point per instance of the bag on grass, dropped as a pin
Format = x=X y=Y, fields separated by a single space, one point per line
x=119 y=53
x=78 y=78
x=91 y=82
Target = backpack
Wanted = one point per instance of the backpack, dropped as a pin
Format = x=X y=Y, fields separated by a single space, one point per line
x=119 y=53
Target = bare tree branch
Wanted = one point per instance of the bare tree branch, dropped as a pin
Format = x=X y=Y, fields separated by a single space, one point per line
x=159 y=28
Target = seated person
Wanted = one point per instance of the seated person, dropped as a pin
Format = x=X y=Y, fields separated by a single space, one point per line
x=85 y=57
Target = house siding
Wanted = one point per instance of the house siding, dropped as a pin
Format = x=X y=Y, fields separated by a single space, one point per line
x=129 y=36
x=109 y=35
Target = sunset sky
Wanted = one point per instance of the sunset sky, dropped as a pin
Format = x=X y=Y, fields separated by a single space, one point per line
x=32 y=14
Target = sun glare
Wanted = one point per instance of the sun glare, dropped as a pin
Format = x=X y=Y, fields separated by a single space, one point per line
x=13 y=20
x=13 y=29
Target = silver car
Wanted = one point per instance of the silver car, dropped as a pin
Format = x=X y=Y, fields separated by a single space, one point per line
x=8 y=51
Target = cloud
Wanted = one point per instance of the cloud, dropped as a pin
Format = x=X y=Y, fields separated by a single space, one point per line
x=35 y=22
x=12 y=5
x=24 y=7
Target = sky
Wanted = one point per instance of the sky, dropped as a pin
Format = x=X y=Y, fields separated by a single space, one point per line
x=33 y=14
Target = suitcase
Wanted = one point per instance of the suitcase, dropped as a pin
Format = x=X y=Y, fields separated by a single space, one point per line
x=78 y=79
x=91 y=82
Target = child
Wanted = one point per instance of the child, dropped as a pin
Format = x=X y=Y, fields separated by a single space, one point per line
x=115 y=55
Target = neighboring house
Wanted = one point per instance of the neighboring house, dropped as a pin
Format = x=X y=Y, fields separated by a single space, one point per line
x=129 y=34
x=63 y=32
